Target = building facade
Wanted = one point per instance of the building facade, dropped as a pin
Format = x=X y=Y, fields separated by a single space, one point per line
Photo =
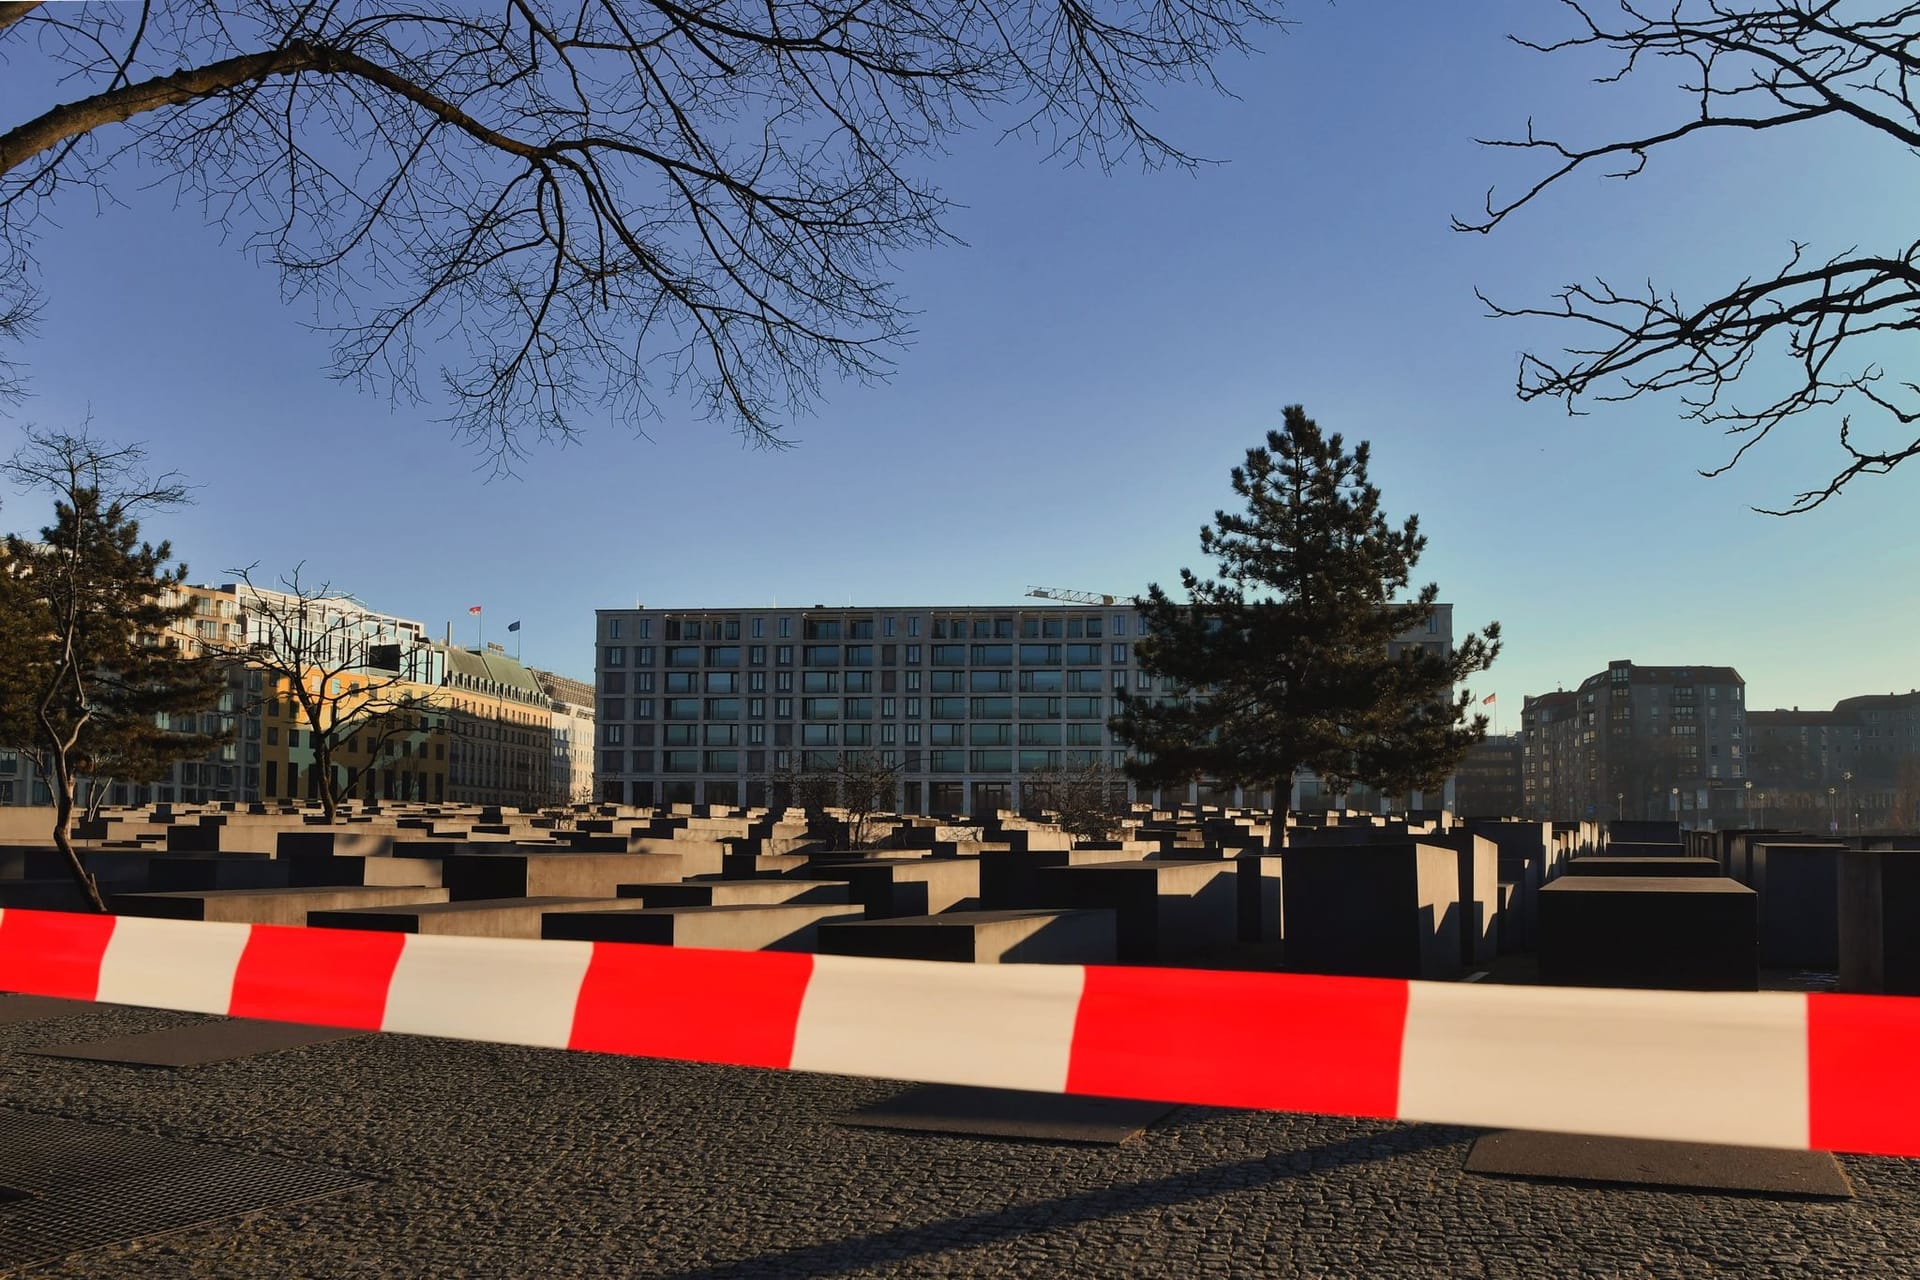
x=1640 y=742
x=1490 y=781
x=570 y=717
x=706 y=705
x=1853 y=769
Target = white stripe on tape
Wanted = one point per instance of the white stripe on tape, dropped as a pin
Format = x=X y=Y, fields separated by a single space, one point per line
x=172 y=964
x=1008 y=1026
x=1691 y=1066
x=504 y=990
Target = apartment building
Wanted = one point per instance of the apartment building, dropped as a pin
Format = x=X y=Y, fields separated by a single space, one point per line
x=1639 y=742
x=704 y=705
x=1490 y=781
x=1854 y=768
x=571 y=721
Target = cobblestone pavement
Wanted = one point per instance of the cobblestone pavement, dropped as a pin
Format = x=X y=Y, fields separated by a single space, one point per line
x=496 y=1162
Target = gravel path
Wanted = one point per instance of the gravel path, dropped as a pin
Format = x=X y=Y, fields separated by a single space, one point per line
x=498 y=1162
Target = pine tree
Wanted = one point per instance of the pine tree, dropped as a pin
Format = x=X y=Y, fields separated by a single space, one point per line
x=89 y=671
x=1286 y=660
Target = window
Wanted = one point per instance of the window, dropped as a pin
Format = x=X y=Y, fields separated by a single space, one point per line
x=1093 y=627
x=860 y=681
x=757 y=655
x=859 y=655
x=992 y=655
x=820 y=682
x=786 y=628
x=783 y=655
x=645 y=630
x=756 y=735
x=820 y=708
x=888 y=626
x=1144 y=682
x=756 y=682
x=913 y=628
x=990 y=735
x=859 y=708
x=990 y=681
x=760 y=629
x=613 y=628
x=857 y=735
x=684 y=656
x=1041 y=681
x=821 y=655
x=913 y=655
x=946 y=762
x=642 y=708
x=991 y=708
x=949 y=655
x=1082 y=655
x=783 y=708
x=1119 y=624
x=1040 y=735
x=723 y=708
x=723 y=655
x=990 y=761
x=1040 y=655
x=643 y=655
x=683 y=708
x=818 y=735
x=614 y=655
x=683 y=682
x=913 y=708
x=613 y=708
x=913 y=681
x=1120 y=655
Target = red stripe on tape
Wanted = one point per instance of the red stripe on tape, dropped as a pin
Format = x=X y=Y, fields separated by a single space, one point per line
x=52 y=953
x=1861 y=1093
x=1280 y=1041
x=332 y=977
x=738 y=1007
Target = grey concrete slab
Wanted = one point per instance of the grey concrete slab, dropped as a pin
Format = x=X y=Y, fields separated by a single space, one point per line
x=267 y=906
x=197 y=1044
x=732 y=893
x=473 y=918
x=1634 y=865
x=1647 y=1163
x=1010 y=1113
x=520 y=874
x=1164 y=909
x=33 y=1008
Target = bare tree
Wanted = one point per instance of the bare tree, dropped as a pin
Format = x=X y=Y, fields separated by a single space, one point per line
x=1817 y=335
x=1086 y=800
x=89 y=677
x=603 y=198
x=316 y=650
x=859 y=785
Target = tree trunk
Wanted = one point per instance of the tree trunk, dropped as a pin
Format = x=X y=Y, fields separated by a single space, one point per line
x=323 y=763
x=63 y=837
x=1282 y=802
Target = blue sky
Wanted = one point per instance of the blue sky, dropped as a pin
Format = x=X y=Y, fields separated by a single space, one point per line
x=1086 y=370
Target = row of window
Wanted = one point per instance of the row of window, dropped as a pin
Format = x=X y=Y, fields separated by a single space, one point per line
x=727 y=656
x=857 y=735
x=618 y=762
x=1031 y=627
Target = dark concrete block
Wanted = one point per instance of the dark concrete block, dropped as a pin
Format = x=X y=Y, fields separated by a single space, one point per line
x=979 y=937
x=784 y=926
x=1799 y=888
x=1878 y=907
x=1646 y=1162
x=1262 y=902
x=1384 y=910
x=1010 y=1113
x=551 y=875
x=1681 y=933
x=904 y=886
x=1163 y=909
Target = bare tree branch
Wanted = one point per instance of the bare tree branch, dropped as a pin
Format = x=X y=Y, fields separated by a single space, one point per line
x=592 y=206
x=1835 y=327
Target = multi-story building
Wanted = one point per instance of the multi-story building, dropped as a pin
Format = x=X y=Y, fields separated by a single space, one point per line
x=570 y=717
x=1854 y=768
x=705 y=705
x=478 y=726
x=1489 y=783
x=499 y=730
x=1639 y=742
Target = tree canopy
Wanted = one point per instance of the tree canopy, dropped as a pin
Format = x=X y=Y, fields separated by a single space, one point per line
x=603 y=201
x=1816 y=336
x=1288 y=659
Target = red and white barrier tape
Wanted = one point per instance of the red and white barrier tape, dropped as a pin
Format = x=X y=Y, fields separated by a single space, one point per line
x=1830 y=1072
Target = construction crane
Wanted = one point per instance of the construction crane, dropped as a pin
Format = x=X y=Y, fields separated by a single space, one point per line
x=1071 y=597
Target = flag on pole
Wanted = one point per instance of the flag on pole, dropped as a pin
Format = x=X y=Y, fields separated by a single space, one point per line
x=1486 y=700
x=473 y=609
x=513 y=626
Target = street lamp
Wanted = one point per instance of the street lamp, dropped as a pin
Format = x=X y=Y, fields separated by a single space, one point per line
x=1853 y=818
x=1833 y=817
x=1676 y=805
x=1749 y=784
x=1620 y=806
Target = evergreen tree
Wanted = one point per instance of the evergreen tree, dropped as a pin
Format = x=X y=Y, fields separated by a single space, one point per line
x=89 y=673
x=1286 y=659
